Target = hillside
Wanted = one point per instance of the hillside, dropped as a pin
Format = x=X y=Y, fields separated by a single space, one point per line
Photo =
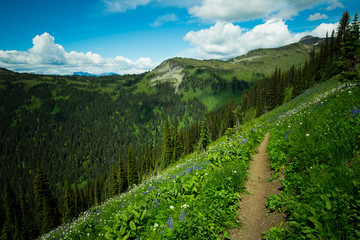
x=175 y=203
x=214 y=82
x=76 y=141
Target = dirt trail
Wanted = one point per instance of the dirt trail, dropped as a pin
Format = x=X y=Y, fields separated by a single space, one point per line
x=253 y=213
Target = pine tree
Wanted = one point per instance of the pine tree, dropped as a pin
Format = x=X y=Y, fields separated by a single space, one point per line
x=176 y=144
x=122 y=176
x=68 y=202
x=114 y=182
x=167 y=150
x=343 y=27
x=12 y=212
x=46 y=212
x=132 y=174
x=204 y=135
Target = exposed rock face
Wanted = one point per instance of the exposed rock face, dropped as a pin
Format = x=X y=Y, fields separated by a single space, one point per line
x=310 y=40
x=169 y=71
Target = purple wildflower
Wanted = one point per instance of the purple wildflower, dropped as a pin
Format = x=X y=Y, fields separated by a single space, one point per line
x=170 y=223
x=355 y=111
x=182 y=215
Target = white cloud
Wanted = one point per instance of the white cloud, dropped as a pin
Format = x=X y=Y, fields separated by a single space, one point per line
x=243 y=10
x=324 y=28
x=124 y=5
x=48 y=57
x=232 y=10
x=164 y=19
x=317 y=16
x=225 y=40
x=334 y=4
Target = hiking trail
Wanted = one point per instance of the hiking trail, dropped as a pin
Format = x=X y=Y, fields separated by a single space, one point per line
x=252 y=212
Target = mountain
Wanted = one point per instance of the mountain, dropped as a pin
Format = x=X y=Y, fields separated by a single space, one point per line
x=310 y=40
x=93 y=75
x=80 y=129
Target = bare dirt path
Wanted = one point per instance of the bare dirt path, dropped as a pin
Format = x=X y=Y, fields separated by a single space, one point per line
x=252 y=213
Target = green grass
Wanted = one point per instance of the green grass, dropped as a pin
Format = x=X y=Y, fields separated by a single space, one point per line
x=212 y=100
x=315 y=138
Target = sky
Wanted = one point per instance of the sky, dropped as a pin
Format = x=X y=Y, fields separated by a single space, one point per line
x=134 y=36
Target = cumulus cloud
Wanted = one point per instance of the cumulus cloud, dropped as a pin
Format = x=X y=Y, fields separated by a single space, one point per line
x=50 y=58
x=242 y=10
x=226 y=40
x=317 y=16
x=164 y=19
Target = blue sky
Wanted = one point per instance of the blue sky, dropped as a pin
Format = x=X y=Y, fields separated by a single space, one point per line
x=132 y=36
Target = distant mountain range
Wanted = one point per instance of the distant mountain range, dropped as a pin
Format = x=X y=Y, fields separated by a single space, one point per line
x=93 y=75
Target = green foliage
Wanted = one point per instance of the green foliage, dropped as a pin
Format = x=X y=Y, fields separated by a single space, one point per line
x=315 y=139
x=132 y=173
x=196 y=199
x=47 y=215
x=204 y=135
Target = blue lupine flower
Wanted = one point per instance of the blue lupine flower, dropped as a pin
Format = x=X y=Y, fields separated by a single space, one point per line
x=355 y=111
x=182 y=215
x=170 y=223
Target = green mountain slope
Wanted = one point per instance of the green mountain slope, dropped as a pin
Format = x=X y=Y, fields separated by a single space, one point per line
x=197 y=198
x=78 y=129
x=212 y=81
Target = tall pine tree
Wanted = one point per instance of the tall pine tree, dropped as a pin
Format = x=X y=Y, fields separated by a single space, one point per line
x=167 y=150
x=204 y=135
x=132 y=174
x=46 y=210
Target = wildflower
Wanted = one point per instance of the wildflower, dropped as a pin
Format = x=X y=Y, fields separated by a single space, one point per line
x=234 y=171
x=205 y=174
x=155 y=226
x=307 y=134
x=184 y=206
x=355 y=111
x=172 y=207
x=301 y=123
x=182 y=215
x=170 y=223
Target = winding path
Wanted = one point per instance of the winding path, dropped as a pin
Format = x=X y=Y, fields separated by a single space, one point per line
x=252 y=213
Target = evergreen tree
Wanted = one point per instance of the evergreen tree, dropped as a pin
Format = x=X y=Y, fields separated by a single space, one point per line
x=68 y=202
x=27 y=225
x=188 y=148
x=12 y=212
x=176 y=144
x=123 y=183
x=46 y=212
x=167 y=151
x=114 y=182
x=351 y=48
x=343 y=27
x=132 y=174
x=204 y=135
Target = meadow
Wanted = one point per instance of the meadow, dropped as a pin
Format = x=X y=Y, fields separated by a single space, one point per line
x=314 y=141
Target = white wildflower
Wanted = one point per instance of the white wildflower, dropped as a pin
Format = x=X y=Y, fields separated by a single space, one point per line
x=172 y=207
x=307 y=134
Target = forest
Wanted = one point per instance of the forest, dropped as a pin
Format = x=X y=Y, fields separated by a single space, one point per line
x=68 y=143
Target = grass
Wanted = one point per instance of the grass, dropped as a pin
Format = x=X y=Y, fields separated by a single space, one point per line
x=175 y=203
x=212 y=100
x=314 y=137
